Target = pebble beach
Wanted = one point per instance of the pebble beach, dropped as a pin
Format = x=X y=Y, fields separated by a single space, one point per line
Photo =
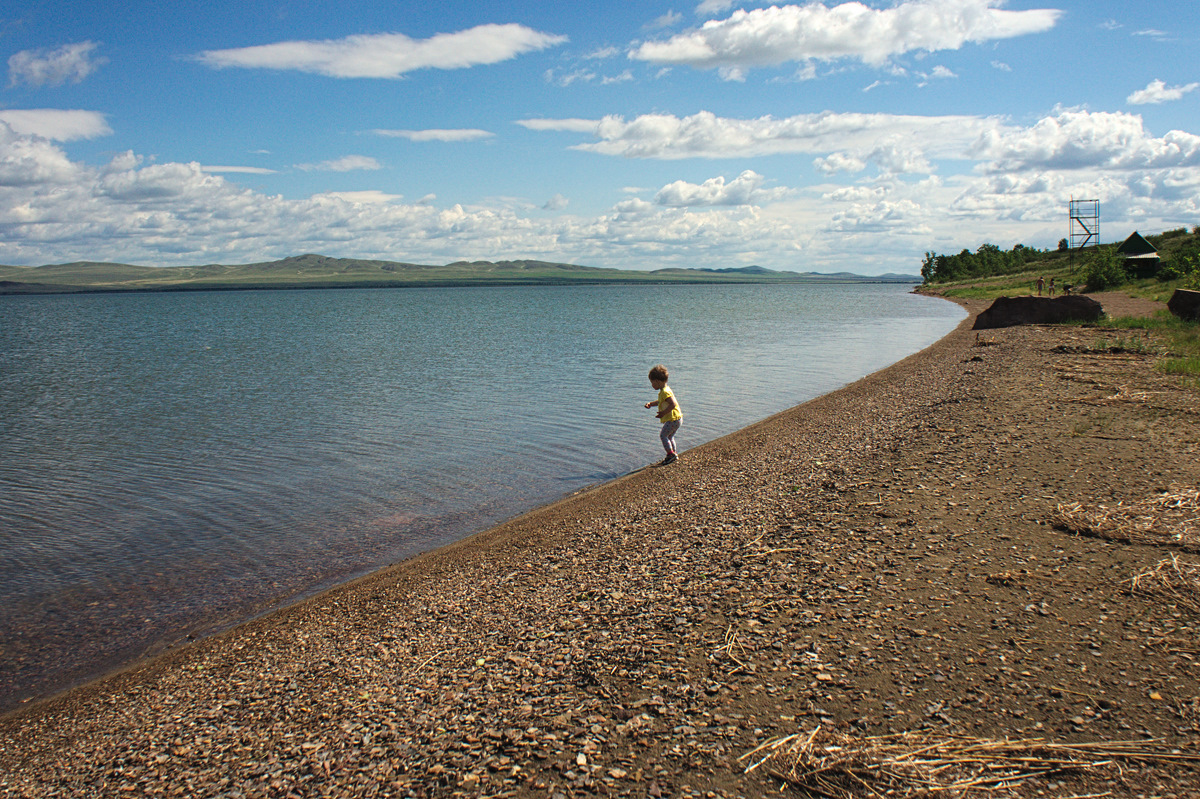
x=888 y=559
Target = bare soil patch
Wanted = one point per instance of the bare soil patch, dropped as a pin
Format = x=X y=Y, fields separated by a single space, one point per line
x=882 y=563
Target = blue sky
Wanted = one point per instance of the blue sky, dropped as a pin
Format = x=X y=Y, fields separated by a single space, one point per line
x=811 y=137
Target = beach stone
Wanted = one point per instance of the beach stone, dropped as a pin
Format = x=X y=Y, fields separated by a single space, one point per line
x=1011 y=311
x=1185 y=304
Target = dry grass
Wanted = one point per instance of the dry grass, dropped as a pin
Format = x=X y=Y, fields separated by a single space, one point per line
x=1171 y=518
x=829 y=764
x=1172 y=581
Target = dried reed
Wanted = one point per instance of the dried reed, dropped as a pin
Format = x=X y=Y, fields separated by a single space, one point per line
x=1171 y=580
x=830 y=764
x=1171 y=518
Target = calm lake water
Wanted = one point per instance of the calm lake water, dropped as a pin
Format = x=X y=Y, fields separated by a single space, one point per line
x=173 y=463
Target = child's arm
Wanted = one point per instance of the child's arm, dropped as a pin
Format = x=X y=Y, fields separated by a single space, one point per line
x=670 y=405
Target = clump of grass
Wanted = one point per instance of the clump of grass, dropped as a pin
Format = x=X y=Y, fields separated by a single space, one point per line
x=1182 y=341
x=1137 y=345
x=1188 y=366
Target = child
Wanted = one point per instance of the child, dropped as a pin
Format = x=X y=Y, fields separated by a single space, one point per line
x=668 y=412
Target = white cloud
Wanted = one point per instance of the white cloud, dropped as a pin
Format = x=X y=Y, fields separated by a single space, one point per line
x=56 y=124
x=53 y=210
x=745 y=189
x=70 y=63
x=465 y=134
x=564 y=79
x=347 y=163
x=556 y=203
x=32 y=160
x=388 y=55
x=839 y=162
x=709 y=7
x=370 y=196
x=705 y=135
x=1000 y=65
x=571 y=125
x=1158 y=92
x=1074 y=139
x=776 y=35
x=246 y=170
x=667 y=20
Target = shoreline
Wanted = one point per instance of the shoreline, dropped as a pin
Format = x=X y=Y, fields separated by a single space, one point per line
x=643 y=634
x=53 y=640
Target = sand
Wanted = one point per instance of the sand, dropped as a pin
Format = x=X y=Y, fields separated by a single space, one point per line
x=884 y=559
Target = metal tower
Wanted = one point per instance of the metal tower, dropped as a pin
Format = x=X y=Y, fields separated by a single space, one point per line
x=1085 y=223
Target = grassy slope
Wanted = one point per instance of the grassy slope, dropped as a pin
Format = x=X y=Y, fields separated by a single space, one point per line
x=1067 y=269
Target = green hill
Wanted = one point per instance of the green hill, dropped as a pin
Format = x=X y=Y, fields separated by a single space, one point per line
x=320 y=271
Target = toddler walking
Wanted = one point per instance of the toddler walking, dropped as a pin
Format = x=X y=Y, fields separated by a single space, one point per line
x=668 y=412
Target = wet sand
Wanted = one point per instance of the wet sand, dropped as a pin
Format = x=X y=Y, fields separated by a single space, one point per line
x=878 y=560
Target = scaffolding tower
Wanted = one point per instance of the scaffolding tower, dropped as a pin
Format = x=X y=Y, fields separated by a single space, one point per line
x=1085 y=223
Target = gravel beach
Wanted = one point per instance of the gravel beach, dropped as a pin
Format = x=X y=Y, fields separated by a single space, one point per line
x=896 y=557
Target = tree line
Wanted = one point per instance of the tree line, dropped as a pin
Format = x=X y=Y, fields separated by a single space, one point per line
x=987 y=261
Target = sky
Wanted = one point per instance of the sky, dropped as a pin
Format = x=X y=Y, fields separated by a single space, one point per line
x=826 y=137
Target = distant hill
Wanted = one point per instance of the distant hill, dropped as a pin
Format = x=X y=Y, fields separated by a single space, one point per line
x=762 y=271
x=321 y=271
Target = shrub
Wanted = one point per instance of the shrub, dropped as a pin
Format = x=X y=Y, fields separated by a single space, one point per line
x=1105 y=270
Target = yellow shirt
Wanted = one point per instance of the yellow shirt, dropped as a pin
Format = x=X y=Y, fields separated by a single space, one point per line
x=664 y=394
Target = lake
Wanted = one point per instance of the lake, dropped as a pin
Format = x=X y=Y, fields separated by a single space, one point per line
x=171 y=464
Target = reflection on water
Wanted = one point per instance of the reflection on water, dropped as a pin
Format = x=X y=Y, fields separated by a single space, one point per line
x=170 y=463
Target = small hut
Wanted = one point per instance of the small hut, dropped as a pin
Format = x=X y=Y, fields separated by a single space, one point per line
x=1141 y=259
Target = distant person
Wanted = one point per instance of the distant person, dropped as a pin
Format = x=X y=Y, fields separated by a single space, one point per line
x=1051 y=287
x=1041 y=284
x=668 y=412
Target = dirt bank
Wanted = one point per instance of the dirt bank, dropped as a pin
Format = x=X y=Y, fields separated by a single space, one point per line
x=879 y=560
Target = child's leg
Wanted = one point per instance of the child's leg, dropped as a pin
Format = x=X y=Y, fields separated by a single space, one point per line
x=667 y=434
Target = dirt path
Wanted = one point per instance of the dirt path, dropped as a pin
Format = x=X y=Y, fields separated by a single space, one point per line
x=878 y=560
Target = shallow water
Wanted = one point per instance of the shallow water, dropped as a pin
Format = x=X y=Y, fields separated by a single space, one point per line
x=173 y=463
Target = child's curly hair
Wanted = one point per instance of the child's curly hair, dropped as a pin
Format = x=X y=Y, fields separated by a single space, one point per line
x=659 y=373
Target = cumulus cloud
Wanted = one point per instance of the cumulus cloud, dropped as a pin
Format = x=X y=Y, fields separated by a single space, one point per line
x=54 y=210
x=32 y=160
x=705 y=135
x=745 y=189
x=779 y=34
x=347 y=163
x=556 y=203
x=1075 y=139
x=465 y=134
x=839 y=162
x=1158 y=92
x=56 y=124
x=70 y=63
x=388 y=55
